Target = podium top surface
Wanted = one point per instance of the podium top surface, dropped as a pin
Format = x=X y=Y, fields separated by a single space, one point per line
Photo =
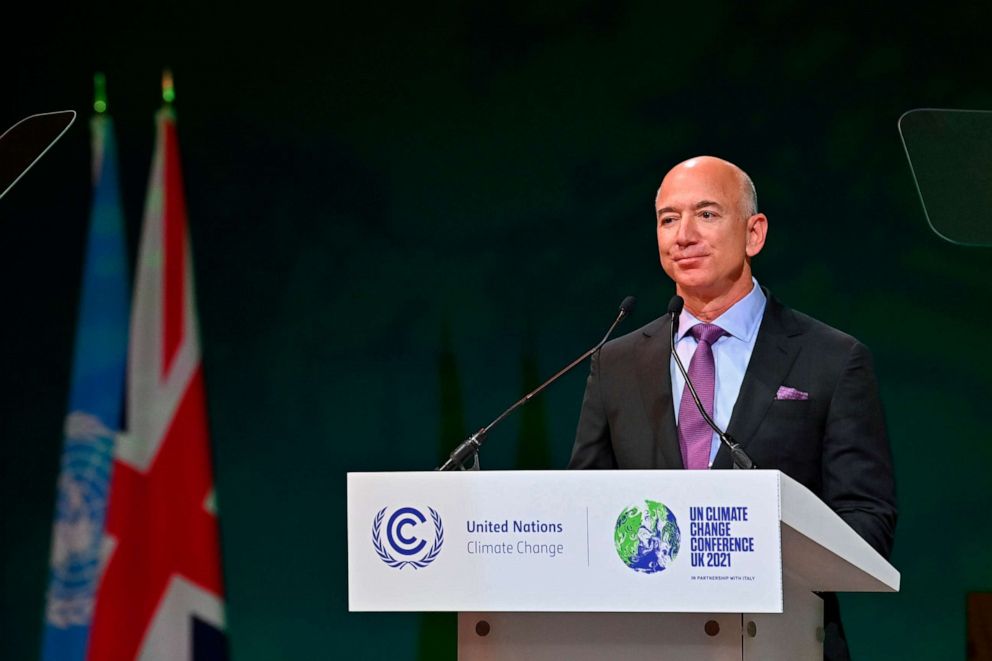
x=822 y=550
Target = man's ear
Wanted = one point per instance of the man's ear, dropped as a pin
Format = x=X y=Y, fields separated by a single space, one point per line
x=757 y=231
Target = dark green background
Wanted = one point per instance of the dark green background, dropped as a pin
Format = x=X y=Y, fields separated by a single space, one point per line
x=357 y=175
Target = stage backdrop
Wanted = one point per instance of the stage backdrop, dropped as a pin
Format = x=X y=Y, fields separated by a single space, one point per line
x=360 y=181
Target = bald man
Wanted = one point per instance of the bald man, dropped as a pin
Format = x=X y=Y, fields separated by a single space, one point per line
x=798 y=395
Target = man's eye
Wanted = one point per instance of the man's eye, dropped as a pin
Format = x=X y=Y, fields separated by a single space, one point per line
x=708 y=214
x=666 y=220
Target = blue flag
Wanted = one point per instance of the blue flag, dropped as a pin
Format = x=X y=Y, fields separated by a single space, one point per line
x=96 y=403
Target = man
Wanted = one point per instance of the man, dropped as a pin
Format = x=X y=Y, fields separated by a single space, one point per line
x=797 y=395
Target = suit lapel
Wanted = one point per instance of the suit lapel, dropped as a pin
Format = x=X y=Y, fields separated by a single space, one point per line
x=775 y=349
x=655 y=383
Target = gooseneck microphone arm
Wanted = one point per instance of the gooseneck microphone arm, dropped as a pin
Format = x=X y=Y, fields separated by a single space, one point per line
x=737 y=453
x=469 y=448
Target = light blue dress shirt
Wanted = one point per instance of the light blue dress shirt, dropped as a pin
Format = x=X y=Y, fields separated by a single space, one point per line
x=731 y=354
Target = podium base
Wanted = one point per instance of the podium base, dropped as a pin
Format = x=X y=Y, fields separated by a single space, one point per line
x=795 y=635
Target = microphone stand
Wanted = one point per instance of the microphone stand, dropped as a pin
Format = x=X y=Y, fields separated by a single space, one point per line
x=470 y=447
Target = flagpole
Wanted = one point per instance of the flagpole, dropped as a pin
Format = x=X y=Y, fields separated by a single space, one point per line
x=99 y=93
x=168 y=88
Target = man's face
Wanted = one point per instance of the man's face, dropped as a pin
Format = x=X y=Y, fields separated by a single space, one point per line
x=704 y=240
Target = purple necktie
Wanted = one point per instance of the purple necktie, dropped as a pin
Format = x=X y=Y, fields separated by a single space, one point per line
x=695 y=436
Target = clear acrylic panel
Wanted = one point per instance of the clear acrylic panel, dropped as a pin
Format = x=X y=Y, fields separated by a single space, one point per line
x=27 y=141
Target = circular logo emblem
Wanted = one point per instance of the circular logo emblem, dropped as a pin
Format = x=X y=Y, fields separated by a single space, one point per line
x=647 y=537
x=407 y=535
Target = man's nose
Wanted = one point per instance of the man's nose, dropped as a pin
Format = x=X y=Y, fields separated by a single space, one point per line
x=686 y=233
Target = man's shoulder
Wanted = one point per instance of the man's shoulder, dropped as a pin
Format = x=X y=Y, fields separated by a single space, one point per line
x=807 y=328
x=632 y=341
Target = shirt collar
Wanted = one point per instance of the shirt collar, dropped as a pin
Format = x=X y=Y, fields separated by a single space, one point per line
x=741 y=320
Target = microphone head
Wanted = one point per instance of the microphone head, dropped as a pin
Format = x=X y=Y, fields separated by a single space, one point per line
x=675 y=305
x=627 y=307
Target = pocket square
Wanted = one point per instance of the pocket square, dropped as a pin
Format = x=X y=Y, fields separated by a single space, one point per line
x=785 y=392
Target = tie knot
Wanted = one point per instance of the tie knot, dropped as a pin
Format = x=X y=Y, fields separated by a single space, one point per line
x=708 y=333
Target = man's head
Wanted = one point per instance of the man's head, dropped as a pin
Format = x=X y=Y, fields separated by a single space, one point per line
x=709 y=228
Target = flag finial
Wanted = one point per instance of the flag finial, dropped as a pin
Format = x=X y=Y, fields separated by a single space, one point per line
x=99 y=93
x=168 y=88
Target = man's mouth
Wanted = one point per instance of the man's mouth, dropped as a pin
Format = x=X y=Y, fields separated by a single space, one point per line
x=688 y=258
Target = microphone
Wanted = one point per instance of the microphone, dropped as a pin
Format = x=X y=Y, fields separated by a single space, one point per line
x=470 y=447
x=627 y=306
x=675 y=309
x=740 y=457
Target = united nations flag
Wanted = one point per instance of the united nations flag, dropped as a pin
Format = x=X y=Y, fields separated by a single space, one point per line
x=96 y=403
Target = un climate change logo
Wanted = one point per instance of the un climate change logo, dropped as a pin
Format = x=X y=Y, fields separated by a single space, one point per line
x=648 y=537
x=411 y=549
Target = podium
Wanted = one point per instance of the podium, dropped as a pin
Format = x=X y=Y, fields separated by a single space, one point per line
x=607 y=564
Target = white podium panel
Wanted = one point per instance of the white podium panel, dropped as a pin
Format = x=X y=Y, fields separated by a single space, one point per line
x=561 y=541
x=703 y=565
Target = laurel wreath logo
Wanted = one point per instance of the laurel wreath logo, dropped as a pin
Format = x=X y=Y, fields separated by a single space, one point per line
x=432 y=553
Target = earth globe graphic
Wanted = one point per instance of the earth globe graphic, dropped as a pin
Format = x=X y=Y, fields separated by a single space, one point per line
x=647 y=537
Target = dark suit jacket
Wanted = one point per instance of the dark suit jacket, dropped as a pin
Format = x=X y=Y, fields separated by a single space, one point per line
x=834 y=443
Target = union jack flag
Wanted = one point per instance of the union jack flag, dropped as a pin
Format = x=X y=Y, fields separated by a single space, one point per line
x=161 y=595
